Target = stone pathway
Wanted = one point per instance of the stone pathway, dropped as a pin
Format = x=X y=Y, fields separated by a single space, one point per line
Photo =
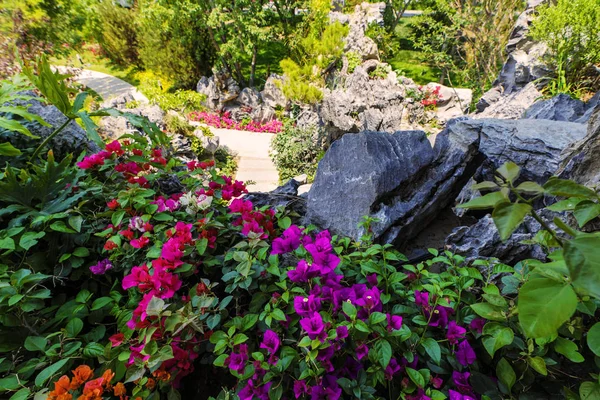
x=252 y=148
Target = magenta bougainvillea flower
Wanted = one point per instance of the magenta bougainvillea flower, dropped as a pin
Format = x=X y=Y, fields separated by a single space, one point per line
x=392 y=369
x=477 y=324
x=419 y=395
x=101 y=267
x=300 y=388
x=455 y=332
x=362 y=351
x=341 y=332
x=439 y=316
x=116 y=339
x=302 y=273
x=458 y=396
x=461 y=381
x=314 y=327
x=307 y=306
x=289 y=241
x=465 y=354
x=394 y=322
x=422 y=299
x=270 y=342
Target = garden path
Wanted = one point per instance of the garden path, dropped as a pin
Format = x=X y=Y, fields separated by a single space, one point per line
x=252 y=148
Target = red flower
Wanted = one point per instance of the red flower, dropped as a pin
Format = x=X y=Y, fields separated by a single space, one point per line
x=113 y=204
x=116 y=339
x=110 y=245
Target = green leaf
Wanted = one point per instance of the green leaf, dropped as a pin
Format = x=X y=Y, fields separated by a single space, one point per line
x=506 y=374
x=7 y=149
x=117 y=217
x=81 y=252
x=496 y=336
x=7 y=243
x=583 y=258
x=486 y=185
x=484 y=202
x=60 y=226
x=432 y=348
x=76 y=221
x=565 y=205
x=9 y=383
x=531 y=188
x=376 y=318
x=508 y=216
x=73 y=327
x=489 y=311
x=213 y=321
x=93 y=350
x=568 y=349
x=509 y=171
x=544 y=305
x=284 y=222
x=586 y=211
x=201 y=246
x=349 y=309
x=593 y=339
x=567 y=188
x=22 y=394
x=35 y=343
x=589 y=391
x=416 y=377
x=155 y=306
x=79 y=101
x=15 y=126
x=101 y=303
x=30 y=239
x=538 y=364
x=50 y=371
x=383 y=350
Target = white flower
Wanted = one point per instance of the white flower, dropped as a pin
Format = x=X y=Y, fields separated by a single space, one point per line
x=187 y=199
x=204 y=201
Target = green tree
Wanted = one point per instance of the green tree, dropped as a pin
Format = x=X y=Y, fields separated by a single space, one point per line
x=114 y=28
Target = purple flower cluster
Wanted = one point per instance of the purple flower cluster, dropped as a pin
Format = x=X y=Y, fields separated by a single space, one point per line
x=101 y=267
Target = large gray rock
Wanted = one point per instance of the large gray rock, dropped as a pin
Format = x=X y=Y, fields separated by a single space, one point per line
x=453 y=102
x=356 y=40
x=482 y=241
x=534 y=145
x=558 y=108
x=249 y=97
x=115 y=127
x=272 y=95
x=581 y=162
x=511 y=106
x=364 y=103
x=71 y=140
x=219 y=89
x=396 y=178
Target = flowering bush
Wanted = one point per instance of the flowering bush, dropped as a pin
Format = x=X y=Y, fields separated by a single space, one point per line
x=430 y=97
x=224 y=121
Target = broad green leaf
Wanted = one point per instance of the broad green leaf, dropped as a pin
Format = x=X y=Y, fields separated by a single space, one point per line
x=93 y=350
x=496 y=336
x=15 y=126
x=9 y=383
x=22 y=394
x=506 y=374
x=489 y=311
x=508 y=216
x=155 y=306
x=589 y=391
x=101 y=303
x=79 y=101
x=383 y=350
x=349 y=309
x=7 y=149
x=486 y=185
x=416 y=377
x=509 y=171
x=531 y=188
x=75 y=222
x=538 y=364
x=7 y=243
x=484 y=202
x=432 y=348
x=565 y=205
x=35 y=343
x=50 y=371
x=60 y=226
x=586 y=211
x=567 y=188
x=117 y=217
x=568 y=349
x=544 y=305
x=30 y=239
x=583 y=258
x=73 y=327
x=593 y=339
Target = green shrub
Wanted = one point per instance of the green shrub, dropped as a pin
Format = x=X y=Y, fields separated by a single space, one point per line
x=159 y=90
x=354 y=60
x=571 y=29
x=178 y=125
x=116 y=32
x=296 y=151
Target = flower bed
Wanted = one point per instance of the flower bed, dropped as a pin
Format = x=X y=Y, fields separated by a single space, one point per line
x=224 y=121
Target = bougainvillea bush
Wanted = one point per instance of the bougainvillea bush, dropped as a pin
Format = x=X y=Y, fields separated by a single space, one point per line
x=128 y=274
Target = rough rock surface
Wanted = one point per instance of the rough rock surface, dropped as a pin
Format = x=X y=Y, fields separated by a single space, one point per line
x=358 y=22
x=72 y=139
x=453 y=102
x=365 y=103
x=482 y=240
x=534 y=145
x=523 y=65
x=284 y=196
x=558 y=108
x=510 y=106
x=397 y=178
x=272 y=94
x=218 y=89
x=115 y=127
x=581 y=162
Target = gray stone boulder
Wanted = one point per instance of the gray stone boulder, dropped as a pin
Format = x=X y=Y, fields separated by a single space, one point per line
x=453 y=102
x=534 y=145
x=71 y=140
x=397 y=178
x=581 y=162
x=511 y=106
x=365 y=103
x=356 y=40
x=558 y=108
x=115 y=127
x=272 y=95
x=249 y=97
x=219 y=89
x=283 y=196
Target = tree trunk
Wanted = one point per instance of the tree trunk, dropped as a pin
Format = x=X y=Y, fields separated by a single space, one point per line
x=253 y=66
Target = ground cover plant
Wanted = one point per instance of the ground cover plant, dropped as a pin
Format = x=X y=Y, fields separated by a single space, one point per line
x=224 y=120
x=128 y=273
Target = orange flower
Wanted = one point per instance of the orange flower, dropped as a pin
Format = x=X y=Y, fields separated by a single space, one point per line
x=151 y=384
x=93 y=390
x=161 y=375
x=61 y=388
x=107 y=376
x=120 y=390
x=80 y=375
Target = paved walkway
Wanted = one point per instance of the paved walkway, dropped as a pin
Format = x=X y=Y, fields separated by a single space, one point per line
x=252 y=148
x=106 y=85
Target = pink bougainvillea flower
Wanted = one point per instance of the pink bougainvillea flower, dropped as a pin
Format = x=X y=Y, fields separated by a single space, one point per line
x=370 y=299
x=101 y=267
x=372 y=279
x=302 y=273
x=437 y=382
x=307 y=306
x=465 y=354
x=439 y=316
x=458 y=396
x=300 y=388
x=110 y=245
x=477 y=324
x=288 y=242
x=113 y=204
x=139 y=277
x=362 y=351
x=461 y=381
x=392 y=369
x=270 y=342
x=341 y=332
x=140 y=243
x=314 y=327
x=115 y=147
x=92 y=161
x=116 y=339
x=422 y=299
x=241 y=206
x=455 y=332
x=394 y=322
x=419 y=395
